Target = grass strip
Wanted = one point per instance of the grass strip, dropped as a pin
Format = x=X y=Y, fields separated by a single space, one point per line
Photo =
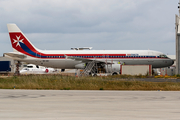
x=58 y=82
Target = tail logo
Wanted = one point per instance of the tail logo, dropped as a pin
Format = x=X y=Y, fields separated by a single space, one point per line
x=18 y=41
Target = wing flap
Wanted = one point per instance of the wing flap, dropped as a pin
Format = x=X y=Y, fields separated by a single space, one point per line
x=87 y=60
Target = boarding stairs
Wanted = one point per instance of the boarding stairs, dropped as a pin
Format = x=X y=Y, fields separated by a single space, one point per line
x=90 y=68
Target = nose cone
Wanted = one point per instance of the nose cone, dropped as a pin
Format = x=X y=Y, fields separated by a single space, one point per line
x=171 y=62
x=168 y=63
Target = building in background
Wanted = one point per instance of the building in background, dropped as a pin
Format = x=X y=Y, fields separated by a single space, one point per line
x=8 y=66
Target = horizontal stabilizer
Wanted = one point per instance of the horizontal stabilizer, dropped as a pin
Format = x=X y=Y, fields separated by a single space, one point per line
x=14 y=55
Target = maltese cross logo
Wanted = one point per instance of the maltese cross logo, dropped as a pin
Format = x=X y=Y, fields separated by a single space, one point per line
x=17 y=41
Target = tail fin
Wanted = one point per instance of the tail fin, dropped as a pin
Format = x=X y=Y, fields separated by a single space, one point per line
x=19 y=41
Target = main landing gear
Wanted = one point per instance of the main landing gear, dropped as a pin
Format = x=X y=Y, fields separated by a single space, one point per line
x=17 y=73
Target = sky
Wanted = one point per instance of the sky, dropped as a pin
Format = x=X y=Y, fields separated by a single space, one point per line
x=101 y=24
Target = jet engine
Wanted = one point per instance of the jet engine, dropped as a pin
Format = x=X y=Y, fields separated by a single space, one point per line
x=80 y=66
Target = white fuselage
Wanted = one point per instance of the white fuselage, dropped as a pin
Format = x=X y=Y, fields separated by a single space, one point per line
x=128 y=57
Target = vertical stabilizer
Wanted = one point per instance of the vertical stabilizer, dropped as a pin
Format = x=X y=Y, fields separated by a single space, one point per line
x=19 y=41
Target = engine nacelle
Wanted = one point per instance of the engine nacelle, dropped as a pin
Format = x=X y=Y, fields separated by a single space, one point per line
x=114 y=68
x=80 y=66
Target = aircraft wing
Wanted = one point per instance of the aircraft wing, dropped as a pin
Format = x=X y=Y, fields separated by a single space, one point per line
x=15 y=55
x=87 y=60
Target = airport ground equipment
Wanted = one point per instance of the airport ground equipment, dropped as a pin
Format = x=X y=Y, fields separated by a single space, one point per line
x=89 y=69
x=36 y=69
x=97 y=69
x=136 y=70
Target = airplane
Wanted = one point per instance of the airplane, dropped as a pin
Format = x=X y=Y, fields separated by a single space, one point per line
x=25 y=51
x=35 y=69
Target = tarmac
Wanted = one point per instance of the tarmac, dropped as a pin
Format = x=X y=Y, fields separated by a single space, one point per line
x=89 y=105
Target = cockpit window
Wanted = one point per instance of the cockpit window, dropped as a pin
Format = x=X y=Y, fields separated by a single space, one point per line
x=29 y=66
x=163 y=56
x=24 y=69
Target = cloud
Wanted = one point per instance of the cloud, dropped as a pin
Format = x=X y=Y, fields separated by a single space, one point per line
x=102 y=24
x=70 y=16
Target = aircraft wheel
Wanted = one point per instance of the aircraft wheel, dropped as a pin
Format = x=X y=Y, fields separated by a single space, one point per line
x=114 y=73
x=94 y=75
